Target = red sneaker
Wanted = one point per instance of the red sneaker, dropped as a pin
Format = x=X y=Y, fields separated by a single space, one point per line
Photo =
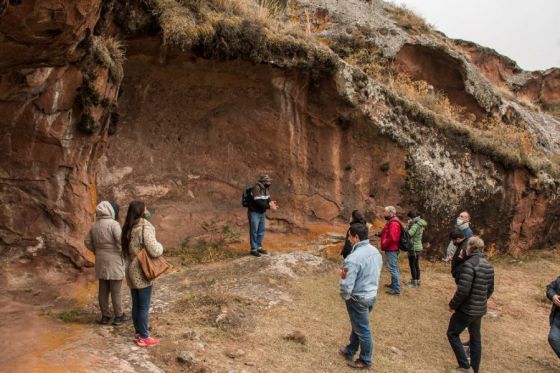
x=147 y=342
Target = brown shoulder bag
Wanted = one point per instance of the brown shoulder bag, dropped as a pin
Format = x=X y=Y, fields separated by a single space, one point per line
x=152 y=267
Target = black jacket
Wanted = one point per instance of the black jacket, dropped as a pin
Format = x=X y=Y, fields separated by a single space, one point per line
x=347 y=248
x=456 y=261
x=260 y=199
x=475 y=284
x=551 y=290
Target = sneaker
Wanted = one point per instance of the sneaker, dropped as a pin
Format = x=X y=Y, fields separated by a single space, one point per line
x=105 y=320
x=392 y=292
x=121 y=319
x=358 y=364
x=412 y=284
x=136 y=337
x=255 y=253
x=147 y=342
x=262 y=252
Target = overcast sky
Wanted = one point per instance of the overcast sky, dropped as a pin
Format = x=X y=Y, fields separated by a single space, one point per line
x=526 y=31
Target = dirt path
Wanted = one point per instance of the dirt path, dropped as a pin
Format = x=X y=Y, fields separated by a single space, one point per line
x=234 y=316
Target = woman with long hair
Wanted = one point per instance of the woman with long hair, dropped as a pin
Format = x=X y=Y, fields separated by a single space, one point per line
x=137 y=234
x=357 y=217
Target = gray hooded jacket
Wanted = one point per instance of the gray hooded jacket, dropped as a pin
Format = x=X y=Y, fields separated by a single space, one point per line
x=104 y=239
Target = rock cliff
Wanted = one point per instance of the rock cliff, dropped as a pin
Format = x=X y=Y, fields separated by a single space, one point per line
x=347 y=104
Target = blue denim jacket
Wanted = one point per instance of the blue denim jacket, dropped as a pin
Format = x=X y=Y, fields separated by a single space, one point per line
x=363 y=267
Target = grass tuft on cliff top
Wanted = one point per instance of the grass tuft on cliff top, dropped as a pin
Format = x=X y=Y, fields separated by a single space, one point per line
x=247 y=29
x=111 y=54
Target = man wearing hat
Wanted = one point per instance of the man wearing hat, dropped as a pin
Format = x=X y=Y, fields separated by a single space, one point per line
x=259 y=203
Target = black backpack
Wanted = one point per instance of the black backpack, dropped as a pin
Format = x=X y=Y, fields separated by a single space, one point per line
x=246 y=197
x=405 y=242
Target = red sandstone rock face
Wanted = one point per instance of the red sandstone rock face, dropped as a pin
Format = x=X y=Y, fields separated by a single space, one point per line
x=46 y=186
x=195 y=132
x=43 y=33
x=540 y=87
x=439 y=69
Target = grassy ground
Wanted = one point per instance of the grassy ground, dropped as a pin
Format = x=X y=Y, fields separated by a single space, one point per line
x=409 y=331
x=416 y=324
x=253 y=304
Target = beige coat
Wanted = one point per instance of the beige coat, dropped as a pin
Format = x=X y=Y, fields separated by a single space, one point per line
x=104 y=239
x=134 y=275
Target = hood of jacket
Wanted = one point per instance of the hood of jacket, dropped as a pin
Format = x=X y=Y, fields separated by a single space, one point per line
x=104 y=210
x=421 y=222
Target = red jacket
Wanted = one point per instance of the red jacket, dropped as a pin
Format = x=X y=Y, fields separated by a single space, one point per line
x=391 y=235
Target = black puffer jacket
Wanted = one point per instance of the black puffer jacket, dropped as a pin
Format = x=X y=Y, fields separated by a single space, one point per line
x=551 y=290
x=475 y=284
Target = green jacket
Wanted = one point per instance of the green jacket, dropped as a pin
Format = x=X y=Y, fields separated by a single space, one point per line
x=416 y=230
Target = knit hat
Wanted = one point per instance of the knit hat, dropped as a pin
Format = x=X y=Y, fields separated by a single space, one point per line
x=264 y=179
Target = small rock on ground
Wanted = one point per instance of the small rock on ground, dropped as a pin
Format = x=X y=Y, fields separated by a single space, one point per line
x=186 y=357
x=297 y=337
x=234 y=354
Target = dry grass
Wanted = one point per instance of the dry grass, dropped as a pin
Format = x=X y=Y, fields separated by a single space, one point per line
x=217 y=244
x=510 y=145
x=408 y=20
x=414 y=323
x=240 y=29
x=111 y=54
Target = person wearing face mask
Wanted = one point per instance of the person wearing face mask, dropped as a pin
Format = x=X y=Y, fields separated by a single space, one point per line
x=461 y=224
x=357 y=217
x=104 y=240
x=138 y=233
x=359 y=282
x=390 y=237
x=416 y=226
x=258 y=204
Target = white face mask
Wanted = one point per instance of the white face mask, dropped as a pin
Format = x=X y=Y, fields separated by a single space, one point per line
x=459 y=221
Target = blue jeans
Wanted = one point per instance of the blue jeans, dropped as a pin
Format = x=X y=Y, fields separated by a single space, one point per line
x=361 y=334
x=554 y=335
x=141 y=299
x=393 y=265
x=459 y=322
x=256 y=229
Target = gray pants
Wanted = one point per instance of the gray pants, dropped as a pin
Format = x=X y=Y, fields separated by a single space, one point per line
x=112 y=287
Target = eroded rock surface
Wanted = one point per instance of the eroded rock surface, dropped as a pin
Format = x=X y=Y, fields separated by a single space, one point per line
x=202 y=115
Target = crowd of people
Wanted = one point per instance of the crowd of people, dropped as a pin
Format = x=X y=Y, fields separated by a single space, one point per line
x=117 y=257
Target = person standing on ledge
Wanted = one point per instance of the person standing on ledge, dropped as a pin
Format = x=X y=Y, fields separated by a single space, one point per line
x=258 y=204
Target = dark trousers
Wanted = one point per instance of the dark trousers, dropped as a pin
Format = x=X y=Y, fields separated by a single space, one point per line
x=113 y=288
x=459 y=322
x=141 y=299
x=554 y=335
x=414 y=263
